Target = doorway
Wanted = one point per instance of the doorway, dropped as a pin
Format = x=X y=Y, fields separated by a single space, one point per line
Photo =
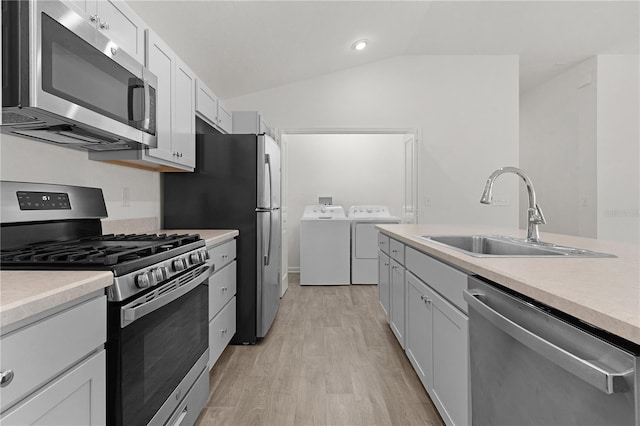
x=352 y=167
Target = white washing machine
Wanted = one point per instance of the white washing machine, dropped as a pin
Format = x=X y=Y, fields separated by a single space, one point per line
x=324 y=246
x=364 y=241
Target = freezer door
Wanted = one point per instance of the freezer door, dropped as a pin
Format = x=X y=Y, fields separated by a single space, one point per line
x=268 y=173
x=268 y=266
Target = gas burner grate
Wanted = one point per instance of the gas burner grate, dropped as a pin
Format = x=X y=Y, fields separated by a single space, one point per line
x=107 y=250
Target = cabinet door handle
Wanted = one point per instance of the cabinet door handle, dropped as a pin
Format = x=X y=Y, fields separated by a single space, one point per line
x=93 y=18
x=224 y=288
x=6 y=377
x=223 y=331
x=103 y=24
x=224 y=256
x=386 y=263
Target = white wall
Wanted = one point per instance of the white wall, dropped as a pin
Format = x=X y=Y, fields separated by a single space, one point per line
x=558 y=150
x=367 y=170
x=28 y=160
x=579 y=142
x=618 y=148
x=466 y=108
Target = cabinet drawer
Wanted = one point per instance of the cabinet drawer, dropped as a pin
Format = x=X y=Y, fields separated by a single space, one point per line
x=222 y=287
x=383 y=242
x=222 y=254
x=396 y=250
x=447 y=281
x=40 y=351
x=221 y=329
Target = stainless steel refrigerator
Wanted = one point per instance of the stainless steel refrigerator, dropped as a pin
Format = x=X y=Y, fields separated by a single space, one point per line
x=236 y=185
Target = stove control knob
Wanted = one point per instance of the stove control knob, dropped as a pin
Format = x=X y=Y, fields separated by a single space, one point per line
x=160 y=274
x=165 y=272
x=196 y=257
x=179 y=265
x=142 y=281
x=205 y=255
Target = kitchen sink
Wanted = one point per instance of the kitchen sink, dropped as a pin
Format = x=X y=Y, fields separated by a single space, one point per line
x=501 y=246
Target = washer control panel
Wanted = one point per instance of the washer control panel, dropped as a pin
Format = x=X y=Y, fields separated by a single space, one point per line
x=369 y=211
x=323 y=211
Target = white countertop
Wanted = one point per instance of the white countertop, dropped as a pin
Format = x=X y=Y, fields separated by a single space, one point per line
x=604 y=292
x=27 y=293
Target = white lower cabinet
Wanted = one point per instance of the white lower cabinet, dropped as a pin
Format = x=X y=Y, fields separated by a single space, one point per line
x=56 y=366
x=433 y=328
x=450 y=362
x=397 y=312
x=221 y=329
x=384 y=288
x=419 y=335
x=222 y=298
x=76 y=398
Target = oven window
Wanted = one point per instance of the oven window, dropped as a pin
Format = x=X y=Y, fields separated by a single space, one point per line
x=157 y=351
x=74 y=70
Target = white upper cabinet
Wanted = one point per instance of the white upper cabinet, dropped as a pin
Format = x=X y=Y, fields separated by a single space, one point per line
x=175 y=115
x=176 y=106
x=183 y=141
x=117 y=21
x=211 y=109
x=249 y=122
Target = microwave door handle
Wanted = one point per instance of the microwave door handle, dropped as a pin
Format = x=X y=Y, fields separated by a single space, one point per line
x=137 y=83
x=147 y=106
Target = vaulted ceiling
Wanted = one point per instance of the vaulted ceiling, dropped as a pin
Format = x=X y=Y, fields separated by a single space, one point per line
x=239 y=47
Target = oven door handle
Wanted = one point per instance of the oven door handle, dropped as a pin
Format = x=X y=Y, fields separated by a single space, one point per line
x=136 y=310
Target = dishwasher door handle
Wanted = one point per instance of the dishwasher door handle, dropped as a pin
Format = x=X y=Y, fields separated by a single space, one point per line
x=608 y=382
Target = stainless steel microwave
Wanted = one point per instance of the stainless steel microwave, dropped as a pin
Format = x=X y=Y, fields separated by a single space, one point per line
x=65 y=82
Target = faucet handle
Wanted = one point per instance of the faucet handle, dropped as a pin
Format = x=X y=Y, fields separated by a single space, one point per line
x=536 y=215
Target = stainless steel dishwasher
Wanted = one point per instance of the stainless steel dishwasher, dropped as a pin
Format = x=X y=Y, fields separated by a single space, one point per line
x=533 y=365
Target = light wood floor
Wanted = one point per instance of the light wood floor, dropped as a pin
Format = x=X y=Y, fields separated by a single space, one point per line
x=329 y=359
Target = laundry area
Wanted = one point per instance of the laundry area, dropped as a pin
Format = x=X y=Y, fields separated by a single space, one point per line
x=338 y=187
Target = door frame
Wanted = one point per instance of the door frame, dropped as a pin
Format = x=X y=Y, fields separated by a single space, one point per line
x=279 y=132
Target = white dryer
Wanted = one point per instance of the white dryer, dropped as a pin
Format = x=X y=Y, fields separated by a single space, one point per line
x=364 y=241
x=324 y=246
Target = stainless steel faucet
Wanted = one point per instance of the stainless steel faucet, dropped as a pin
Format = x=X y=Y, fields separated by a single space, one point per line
x=534 y=213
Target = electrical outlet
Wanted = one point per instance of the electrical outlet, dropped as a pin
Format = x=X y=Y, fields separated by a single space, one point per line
x=126 y=200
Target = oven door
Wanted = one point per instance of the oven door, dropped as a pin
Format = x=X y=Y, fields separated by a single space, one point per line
x=153 y=342
x=80 y=74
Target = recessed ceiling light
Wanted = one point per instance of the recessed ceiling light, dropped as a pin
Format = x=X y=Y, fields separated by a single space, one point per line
x=359 y=45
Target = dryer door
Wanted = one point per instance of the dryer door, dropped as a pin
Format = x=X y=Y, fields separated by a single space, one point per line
x=366 y=240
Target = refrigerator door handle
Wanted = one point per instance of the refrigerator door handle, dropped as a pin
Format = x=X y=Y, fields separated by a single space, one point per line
x=267 y=257
x=267 y=160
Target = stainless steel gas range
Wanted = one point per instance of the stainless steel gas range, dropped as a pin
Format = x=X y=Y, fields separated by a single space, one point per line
x=157 y=312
